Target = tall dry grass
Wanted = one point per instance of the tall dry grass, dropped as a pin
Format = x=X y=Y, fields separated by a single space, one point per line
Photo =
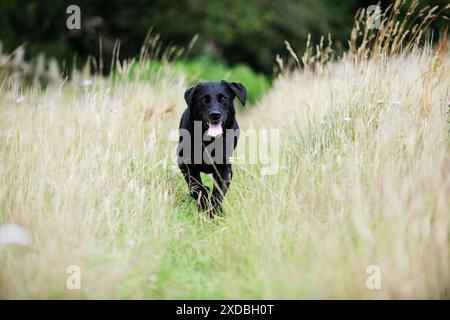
x=365 y=180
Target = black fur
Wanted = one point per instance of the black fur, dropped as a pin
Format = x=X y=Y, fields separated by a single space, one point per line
x=209 y=102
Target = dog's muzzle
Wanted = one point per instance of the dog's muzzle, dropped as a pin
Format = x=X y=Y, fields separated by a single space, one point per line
x=214 y=128
x=214 y=124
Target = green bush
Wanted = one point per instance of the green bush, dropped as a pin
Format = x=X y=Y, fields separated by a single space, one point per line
x=197 y=71
x=203 y=69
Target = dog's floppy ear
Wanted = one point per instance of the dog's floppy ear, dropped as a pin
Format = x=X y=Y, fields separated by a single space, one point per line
x=238 y=89
x=189 y=95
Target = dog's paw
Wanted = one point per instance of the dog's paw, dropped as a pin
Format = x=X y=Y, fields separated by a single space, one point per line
x=215 y=208
x=198 y=192
x=203 y=202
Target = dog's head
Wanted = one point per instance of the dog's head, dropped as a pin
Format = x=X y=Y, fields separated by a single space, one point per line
x=212 y=103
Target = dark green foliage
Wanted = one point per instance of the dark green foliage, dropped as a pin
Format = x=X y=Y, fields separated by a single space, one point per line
x=250 y=32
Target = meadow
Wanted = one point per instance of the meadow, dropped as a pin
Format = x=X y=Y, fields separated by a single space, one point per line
x=364 y=180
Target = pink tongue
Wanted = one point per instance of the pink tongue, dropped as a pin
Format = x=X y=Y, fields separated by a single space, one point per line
x=214 y=129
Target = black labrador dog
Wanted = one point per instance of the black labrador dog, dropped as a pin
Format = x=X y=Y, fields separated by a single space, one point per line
x=209 y=134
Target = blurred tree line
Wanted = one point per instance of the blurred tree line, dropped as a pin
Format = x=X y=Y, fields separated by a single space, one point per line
x=250 y=31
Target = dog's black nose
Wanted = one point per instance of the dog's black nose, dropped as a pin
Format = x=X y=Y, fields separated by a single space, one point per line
x=214 y=115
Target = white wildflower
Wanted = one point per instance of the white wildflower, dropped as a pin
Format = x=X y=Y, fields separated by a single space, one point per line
x=11 y=234
x=86 y=82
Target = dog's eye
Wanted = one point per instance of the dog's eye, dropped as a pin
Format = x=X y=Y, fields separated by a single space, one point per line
x=221 y=98
x=206 y=99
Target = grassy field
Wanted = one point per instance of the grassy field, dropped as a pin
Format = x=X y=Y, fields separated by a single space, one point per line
x=364 y=179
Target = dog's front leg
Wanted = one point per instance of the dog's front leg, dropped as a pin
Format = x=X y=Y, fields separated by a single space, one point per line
x=222 y=179
x=197 y=190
